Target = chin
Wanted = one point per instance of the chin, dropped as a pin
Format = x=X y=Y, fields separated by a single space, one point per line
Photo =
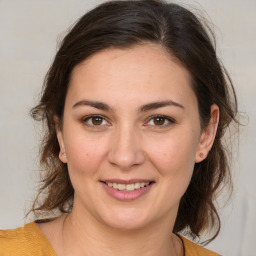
x=126 y=220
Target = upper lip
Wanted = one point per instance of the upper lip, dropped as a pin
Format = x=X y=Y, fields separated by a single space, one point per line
x=120 y=181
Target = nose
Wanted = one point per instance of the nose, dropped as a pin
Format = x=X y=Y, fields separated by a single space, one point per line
x=126 y=149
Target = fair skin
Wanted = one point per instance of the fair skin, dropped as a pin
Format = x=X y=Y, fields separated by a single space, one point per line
x=130 y=117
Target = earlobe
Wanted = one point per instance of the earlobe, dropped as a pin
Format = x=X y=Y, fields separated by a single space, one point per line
x=62 y=153
x=208 y=135
x=63 y=157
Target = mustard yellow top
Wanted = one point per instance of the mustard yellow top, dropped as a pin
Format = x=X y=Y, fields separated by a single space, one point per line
x=30 y=241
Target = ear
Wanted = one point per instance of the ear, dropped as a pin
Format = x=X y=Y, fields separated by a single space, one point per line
x=208 y=135
x=62 y=153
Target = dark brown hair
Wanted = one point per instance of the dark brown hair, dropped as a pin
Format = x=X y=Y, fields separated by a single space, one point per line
x=124 y=24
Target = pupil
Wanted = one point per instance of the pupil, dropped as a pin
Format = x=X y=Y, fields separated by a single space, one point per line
x=96 y=120
x=159 y=121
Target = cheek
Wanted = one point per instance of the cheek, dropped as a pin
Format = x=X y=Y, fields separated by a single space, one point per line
x=173 y=158
x=173 y=153
x=84 y=154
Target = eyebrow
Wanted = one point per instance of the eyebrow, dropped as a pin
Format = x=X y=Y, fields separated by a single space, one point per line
x=156 y=105
x=144 y=108
x=95 y=104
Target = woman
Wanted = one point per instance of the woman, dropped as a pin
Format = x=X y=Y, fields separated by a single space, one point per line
x=136 y=104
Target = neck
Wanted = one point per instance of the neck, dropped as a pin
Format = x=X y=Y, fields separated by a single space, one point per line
x=87 y=236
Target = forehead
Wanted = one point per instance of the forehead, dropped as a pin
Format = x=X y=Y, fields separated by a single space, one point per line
x=146 y=70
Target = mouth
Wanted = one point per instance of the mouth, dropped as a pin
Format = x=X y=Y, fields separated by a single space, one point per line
x=128 y=187
x=126 y=190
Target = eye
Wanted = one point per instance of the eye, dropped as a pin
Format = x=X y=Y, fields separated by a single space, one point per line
x=160 y=121
x=95 y=120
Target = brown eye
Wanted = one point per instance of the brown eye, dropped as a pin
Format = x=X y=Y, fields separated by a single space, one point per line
x=96 y=120
x=159 y=120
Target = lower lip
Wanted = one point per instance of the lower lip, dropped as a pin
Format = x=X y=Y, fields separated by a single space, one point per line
x=124 y=195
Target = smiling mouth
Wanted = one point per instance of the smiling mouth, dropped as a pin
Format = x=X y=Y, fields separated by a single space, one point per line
x=128 y=187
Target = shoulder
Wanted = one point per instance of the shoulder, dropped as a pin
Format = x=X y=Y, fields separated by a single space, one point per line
x=192 y=249
x=27 y=240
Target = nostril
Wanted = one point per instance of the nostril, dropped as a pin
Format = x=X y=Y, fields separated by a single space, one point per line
x=126 y=158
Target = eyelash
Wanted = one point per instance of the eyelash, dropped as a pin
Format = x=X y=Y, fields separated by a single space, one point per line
x=87 y=118
x=170 y=121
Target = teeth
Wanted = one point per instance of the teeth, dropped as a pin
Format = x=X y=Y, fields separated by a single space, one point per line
x=127 y=187
x=137 y=185
x=121 y=186
x=130 y=187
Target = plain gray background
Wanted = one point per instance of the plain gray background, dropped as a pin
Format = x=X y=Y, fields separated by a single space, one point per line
x=29 y=32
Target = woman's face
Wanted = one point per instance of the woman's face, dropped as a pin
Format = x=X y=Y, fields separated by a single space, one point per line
x=131 y=134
